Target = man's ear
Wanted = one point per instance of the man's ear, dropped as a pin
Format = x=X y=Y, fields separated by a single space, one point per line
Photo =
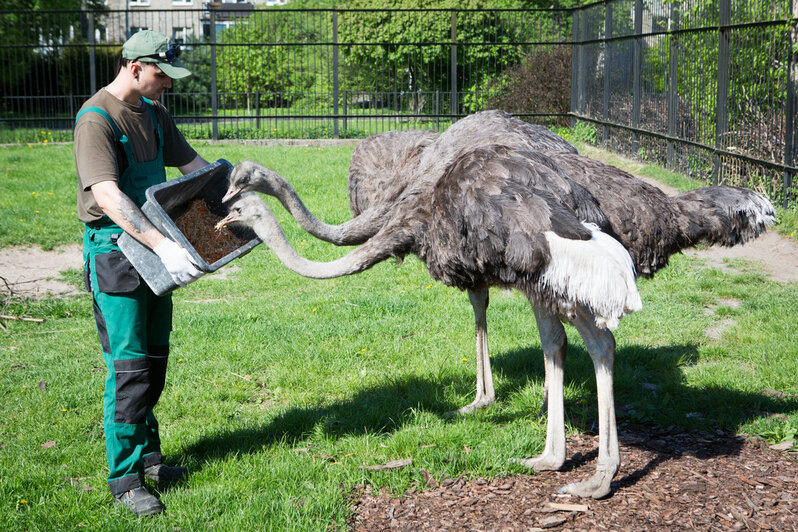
x=135 y=68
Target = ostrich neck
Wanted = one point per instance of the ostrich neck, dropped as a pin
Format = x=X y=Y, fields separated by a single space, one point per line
x=355 y=231
x=375 y=250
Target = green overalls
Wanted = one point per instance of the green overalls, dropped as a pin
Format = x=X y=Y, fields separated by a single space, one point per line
x=133 y=324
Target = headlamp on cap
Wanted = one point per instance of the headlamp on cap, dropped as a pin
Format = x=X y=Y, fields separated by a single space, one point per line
x=170 y=55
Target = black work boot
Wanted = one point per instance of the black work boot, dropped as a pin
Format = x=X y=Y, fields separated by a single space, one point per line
x=139 y=501
x=164 y=474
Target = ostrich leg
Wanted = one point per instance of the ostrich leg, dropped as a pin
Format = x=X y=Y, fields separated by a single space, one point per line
x=485 y=392
x=600 y=344
x=555 y=345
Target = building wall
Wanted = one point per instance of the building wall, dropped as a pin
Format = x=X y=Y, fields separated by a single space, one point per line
x=184 y=18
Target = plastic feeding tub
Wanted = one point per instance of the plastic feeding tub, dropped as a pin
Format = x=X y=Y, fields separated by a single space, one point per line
x=185 y=210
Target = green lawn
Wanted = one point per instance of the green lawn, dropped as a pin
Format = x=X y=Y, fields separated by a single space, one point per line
x=280 y=387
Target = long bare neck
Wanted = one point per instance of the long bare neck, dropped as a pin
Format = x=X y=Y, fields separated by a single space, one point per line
x=352 y=232
x=375 y=250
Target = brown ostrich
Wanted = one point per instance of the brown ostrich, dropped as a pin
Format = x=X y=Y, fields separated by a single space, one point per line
x=486 y=215
x=648 y=223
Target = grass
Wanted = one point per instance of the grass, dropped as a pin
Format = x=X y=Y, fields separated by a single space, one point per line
x=280 y=388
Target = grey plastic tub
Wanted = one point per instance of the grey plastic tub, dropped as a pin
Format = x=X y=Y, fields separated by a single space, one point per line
x=165 y=203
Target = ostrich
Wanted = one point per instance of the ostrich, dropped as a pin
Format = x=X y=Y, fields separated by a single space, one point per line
x=568 y=270
x=485 y=215
x=384 y=165
x=648 y=223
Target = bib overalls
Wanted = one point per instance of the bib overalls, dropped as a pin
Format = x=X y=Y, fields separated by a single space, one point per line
x=133 y=324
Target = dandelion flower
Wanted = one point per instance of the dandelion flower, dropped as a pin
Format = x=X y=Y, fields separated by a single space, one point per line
x=63 y=410
x=180 y=360
x=314 y=310
x=23 y=501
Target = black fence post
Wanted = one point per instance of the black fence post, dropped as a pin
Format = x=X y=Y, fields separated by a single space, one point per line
x=636 y=72
x=214 y=89
x=257 y=111
x=582 y=85
x=345 y=109
x=605 y=114
x=575 y=67
x=722 y=106
x=453 y=69
x=92 y=55
x=673 y=82
x=335 y=73
x=437 y=110
x=790 y=130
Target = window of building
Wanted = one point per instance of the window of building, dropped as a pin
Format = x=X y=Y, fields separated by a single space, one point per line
x=179 y=35
x=182 y=2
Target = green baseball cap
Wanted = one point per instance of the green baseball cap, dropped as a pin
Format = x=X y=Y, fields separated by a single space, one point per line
x=153 y=47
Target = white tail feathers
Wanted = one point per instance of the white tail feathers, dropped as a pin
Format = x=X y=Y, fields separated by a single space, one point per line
x=597 y=273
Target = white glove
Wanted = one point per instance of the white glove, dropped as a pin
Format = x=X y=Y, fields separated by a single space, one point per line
x=178 y=262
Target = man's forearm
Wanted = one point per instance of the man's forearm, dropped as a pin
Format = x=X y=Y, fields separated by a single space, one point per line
x=121 y=209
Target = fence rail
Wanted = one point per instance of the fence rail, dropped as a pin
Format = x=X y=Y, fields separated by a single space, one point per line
x=707 y=88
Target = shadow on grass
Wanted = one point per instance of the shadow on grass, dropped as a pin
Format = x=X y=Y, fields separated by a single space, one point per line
x=648 y=382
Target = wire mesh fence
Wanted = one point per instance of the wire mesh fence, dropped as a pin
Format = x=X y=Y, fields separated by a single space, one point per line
x=288 y=73
x=707 y=88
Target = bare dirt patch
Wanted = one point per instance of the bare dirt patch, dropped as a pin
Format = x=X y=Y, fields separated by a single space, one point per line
x=776 y=255
x=33 y=272
x=669 y=480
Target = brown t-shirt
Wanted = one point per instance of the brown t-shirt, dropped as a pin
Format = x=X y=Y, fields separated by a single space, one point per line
x=99 y=157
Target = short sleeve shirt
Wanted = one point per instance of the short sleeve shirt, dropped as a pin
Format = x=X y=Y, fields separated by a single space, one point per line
x=99 y=157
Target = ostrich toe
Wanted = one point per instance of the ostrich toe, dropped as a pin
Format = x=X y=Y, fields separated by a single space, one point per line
x=597 y=486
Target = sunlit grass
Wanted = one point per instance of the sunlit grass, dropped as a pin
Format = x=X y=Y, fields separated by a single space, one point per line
x=280 y=387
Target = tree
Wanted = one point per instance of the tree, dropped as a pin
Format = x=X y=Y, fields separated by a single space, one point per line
x=410 y=51
x=30 y=21
x=270 y=63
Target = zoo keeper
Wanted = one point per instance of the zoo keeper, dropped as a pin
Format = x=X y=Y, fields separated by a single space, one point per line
x=123 y=139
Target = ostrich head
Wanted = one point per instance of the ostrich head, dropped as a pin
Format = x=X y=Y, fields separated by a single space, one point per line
x=247 y=209
x=248 y=176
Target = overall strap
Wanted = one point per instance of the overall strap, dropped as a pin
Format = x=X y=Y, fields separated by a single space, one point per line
x=155 y=122
x=105 y=115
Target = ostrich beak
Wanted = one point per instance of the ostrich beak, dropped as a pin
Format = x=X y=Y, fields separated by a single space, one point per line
x=232 y=192
x=230 y=218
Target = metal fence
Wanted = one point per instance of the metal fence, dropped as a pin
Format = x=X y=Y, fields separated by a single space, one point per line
x=708 y=88
x=286 y=73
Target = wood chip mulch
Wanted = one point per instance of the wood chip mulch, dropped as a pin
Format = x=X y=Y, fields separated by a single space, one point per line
x=669 y=480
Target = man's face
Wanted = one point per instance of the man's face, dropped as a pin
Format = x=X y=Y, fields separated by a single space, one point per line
x=152 y=81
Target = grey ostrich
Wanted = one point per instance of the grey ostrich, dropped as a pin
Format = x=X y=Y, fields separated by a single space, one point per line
x=566 y=269
x=486 y=216
x=648 y=223
x=384 y=165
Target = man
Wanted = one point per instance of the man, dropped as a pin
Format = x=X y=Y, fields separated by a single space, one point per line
x=123 y=140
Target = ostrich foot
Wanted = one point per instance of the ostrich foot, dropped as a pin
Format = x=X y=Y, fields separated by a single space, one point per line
x=477 y=404
x=544 y=462
x=597 y=486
